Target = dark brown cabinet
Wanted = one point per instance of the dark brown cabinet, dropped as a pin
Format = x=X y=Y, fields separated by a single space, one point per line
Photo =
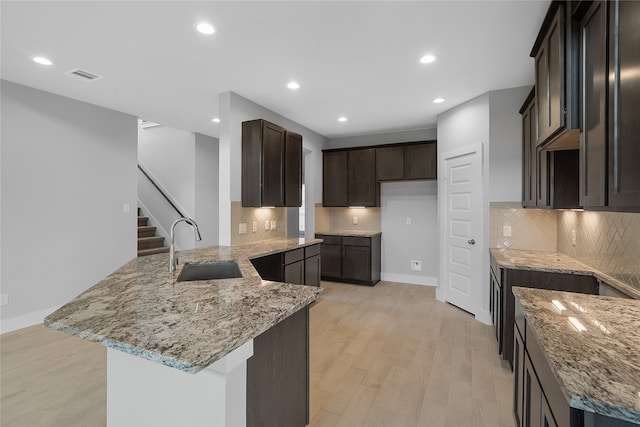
x=529 y=151
x=610 y=141
x=298 y=266
x=555 y=51
x=278 y=374
x=518 y=377
x=414 y=161
x=271 y=165
x=349 y=178
x=351 y=259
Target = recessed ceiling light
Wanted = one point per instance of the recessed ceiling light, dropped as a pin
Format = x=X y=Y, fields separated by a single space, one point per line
x=42 y=60
x=216 y=120
x=438 y=100
x=428 y=59
x=293 y=85
x=205 y=28
x=342 y=119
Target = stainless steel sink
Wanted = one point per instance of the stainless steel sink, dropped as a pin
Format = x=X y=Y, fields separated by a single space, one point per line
x=209 y=270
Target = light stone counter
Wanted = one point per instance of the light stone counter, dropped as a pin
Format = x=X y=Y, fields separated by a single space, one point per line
x=598 y=369
x=140 y=308
x=556 y=262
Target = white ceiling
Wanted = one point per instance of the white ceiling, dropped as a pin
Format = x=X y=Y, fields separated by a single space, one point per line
x=359 y=59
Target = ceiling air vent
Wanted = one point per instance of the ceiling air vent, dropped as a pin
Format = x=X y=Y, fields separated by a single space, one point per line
x=83 y=75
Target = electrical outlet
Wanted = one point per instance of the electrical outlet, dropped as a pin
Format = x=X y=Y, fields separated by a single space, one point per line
x=267 y=224
x=242 y=229
x=416 y=265
x=273 y=224
x=573 y=237
x=4 y=299
x=506 y=230
x=355 y=220
x=408 y=221
x=255 y=226
x=126 y=208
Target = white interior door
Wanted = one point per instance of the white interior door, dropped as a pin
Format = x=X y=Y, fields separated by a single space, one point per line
x=463 y=233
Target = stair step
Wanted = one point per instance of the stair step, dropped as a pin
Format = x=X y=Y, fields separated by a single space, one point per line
x=152 y=251
x=146 y=231
x=150 y=242
x=143 y=220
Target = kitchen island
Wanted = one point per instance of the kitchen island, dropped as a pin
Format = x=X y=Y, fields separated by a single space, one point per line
x=576 y=359
x=147 y=319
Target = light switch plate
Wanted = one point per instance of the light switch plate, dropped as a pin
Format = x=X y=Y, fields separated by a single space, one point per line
x=255 y=226
x=126 y=208
x=573 y=237
x=408 y=221
x=506 y=230
x=266 y=225
x=355 y=220
x=273 y=224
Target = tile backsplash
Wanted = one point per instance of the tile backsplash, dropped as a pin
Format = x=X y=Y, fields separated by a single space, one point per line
x=606 y=241
x=327 y=219
x=247 y=216
x=532 y=229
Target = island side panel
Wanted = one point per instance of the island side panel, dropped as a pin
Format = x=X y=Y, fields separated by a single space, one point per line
x=278 y=374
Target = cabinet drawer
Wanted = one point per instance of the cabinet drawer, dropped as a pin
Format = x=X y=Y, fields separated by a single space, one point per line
x=330 y=240
x=356 y=241
x=310 y=251
x=293 y=256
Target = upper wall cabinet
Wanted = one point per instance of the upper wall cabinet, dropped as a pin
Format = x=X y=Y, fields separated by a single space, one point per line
x=349 y=178
x=610 y=141
x=557 y=79
x=412 y=161
x=529 y=154
x=271 y=165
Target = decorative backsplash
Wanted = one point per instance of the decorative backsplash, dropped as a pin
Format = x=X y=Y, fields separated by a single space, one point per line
x=532 y=229
x=606 y=241
x=247 y=216
x=369 y=219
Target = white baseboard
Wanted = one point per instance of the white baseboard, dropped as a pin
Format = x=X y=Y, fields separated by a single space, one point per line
x=484 y=316
x=25 y=320
x=406 y=278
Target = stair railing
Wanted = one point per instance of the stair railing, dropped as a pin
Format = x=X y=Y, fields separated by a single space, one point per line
x=145 y=173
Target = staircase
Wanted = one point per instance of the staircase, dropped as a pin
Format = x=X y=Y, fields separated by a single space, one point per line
x=148 y=242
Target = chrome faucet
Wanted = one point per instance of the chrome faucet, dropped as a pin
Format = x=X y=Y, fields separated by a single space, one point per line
x=173 y=259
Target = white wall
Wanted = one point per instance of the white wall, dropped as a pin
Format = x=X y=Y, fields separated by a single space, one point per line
x=493 y=120
x=402 y=243
x=68 y=168
x=505 y=159
x=234 y=109
x=206 y=189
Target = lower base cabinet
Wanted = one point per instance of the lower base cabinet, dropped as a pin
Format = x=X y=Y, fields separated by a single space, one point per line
x=298 y=266
x=351 y=259
x=278 y=374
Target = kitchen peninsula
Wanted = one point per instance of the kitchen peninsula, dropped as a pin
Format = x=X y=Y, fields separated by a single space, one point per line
x=210 y=328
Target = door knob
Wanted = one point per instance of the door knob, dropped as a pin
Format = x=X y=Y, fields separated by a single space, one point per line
x=471 y=242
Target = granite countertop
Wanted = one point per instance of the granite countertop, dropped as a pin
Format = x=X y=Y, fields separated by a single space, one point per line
x=349 y=233
x=141 y=309
x=556 y=262
x=598 y=369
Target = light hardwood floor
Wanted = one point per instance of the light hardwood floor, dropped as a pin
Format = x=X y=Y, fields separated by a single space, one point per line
x=389 y=356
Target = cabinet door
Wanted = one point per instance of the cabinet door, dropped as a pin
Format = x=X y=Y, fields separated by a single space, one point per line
x=420 y=161
x=293 y=170
x=532 y=396
x=542 y=94
x=312 y=268
x=518 y=377
x=272 y=165
x=390 y=163
x=294 y=273
x=362 y=187
x=542 y=178
x=334 y=178
x=529 y=155
x=357 y=263
x=624 y=98
x=593 y=139
x=331 y=254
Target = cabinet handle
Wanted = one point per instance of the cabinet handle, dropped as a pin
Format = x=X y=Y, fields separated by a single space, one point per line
x=471 y=242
